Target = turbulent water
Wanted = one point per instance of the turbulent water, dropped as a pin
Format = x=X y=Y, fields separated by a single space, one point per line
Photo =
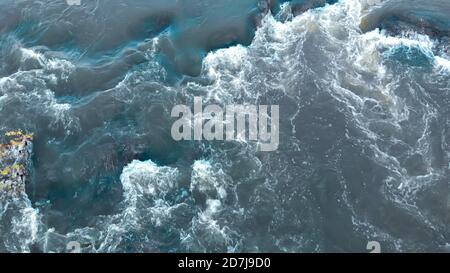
x=364 y=93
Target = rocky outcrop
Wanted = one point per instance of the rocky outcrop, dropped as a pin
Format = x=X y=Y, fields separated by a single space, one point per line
x=15 y=163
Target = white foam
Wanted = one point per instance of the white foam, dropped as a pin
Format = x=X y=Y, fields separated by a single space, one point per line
x=28 y=54
x=442 y=63
x=208 y=179
x=21 y=225
x=51 y=71
x=145 y=185
x=146 y=179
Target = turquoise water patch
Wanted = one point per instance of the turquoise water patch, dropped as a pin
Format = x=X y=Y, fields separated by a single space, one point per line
x=412 y=56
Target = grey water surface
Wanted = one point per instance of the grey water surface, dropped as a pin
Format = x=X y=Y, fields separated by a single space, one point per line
x=364 y=93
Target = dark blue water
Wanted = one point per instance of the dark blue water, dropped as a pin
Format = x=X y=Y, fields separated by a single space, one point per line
x=364 y=95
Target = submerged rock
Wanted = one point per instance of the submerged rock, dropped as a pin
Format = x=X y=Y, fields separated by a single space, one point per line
x=397 y=16
x=15 y=161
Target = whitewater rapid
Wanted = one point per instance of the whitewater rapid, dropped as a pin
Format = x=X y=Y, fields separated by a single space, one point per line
x=364 y=142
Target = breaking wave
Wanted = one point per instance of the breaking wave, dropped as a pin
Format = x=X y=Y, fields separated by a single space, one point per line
x=363 y=88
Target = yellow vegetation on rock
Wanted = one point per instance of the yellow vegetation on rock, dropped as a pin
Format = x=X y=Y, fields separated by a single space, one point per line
x=17 y=167
x=12 y=168
x=14 y=133
x=6 y=171
x=16 y=138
